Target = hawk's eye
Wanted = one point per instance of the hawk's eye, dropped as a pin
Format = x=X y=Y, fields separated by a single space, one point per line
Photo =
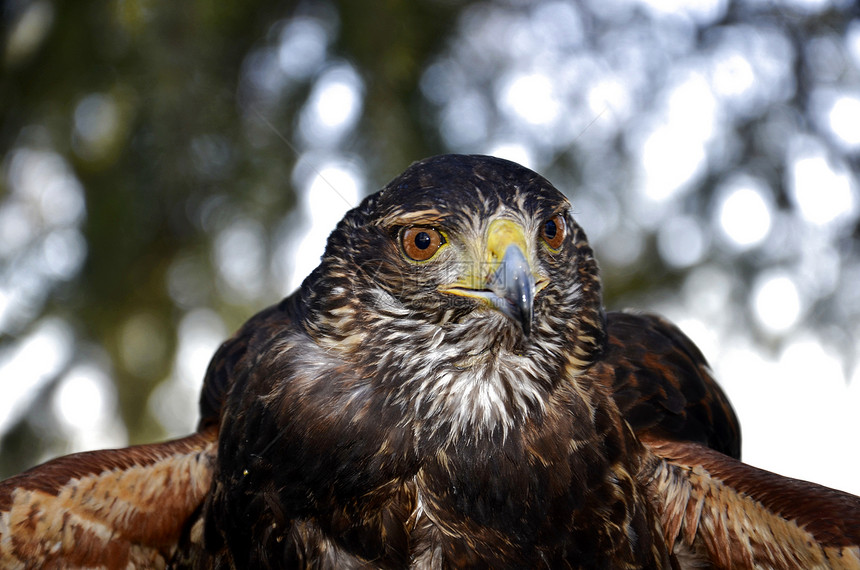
x=553 y=231
x=420 y=243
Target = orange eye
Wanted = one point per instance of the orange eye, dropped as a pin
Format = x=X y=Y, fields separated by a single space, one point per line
x=553 y=231
x=421 y=243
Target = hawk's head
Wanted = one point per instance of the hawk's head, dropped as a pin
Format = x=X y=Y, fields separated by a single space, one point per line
x=468 y=276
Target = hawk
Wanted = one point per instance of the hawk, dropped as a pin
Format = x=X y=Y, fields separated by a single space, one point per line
x=445 y=390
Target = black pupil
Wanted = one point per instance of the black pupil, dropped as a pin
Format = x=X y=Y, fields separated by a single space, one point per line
x=422 y=240
x=550 y=229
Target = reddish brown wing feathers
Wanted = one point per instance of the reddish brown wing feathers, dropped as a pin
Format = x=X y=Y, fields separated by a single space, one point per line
x=112 y=508
x=733 y=515
x=663 y=386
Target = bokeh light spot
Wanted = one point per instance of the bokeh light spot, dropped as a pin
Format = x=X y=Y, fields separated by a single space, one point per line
x=822 y=193
x=97 y=123
x=744 y=214
x=239 y=252
x=531 y=97
x=776 y=302
x=29 y=31
x=302 y=48
x=844 y=120
x=29 y=365
x=671 y=158
x=333 y=106
x=732 y=75
x=84 y=398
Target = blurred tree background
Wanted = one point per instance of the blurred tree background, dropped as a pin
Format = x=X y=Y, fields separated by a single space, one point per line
x=170 y=168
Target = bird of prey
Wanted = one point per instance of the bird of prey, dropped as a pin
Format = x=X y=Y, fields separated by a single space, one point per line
x=445 y=390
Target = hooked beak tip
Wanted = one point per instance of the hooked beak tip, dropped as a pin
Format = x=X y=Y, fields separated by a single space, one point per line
x=514 y=284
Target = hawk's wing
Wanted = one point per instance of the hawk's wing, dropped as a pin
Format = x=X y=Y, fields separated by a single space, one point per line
x=131 y=507
x=715 y=510
x=732 y=515
x=663 y=386
x=115 y=508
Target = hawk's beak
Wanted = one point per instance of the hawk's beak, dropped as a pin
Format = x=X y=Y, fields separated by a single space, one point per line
x=504 y=279
x=514 y=286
